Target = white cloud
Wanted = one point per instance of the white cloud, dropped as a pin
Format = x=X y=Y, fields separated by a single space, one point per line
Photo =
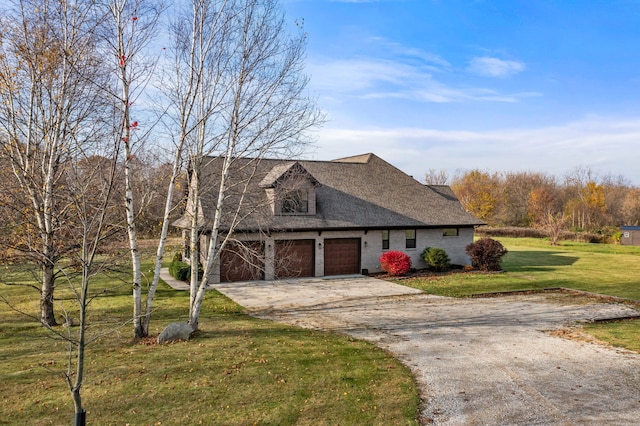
x=368 y=78
x=427 y=60
x=604 y=145
x=494 y=67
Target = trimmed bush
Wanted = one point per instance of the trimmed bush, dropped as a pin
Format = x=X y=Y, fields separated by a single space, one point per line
x=486 y=254
x=180 y=270
x=436 y=258
x=395 y=262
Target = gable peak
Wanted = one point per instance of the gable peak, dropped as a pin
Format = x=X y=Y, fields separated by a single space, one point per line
x=284 y=171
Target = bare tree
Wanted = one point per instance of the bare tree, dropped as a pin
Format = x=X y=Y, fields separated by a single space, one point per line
x=89 y=183
x=238 y=92
x=48 y=107
x=616 y=189
x=436 y=177
x=516 y=187
x=131 y=28
x=631 y=208
x=546 y=212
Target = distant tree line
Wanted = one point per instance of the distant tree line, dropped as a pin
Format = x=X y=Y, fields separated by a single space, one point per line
x=580 y=201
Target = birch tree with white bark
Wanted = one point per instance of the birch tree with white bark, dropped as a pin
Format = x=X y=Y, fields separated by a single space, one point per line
x=237 y=90
x=49 y=106
x=129 y=31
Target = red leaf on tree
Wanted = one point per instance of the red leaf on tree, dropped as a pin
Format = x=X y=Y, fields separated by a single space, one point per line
x=135 y=18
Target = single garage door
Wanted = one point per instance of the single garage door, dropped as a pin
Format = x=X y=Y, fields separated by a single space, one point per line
x=342 y=256
x=295 y=258
x=242 y=262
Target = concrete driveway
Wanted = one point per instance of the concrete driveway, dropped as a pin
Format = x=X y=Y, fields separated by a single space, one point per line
x=489 y=361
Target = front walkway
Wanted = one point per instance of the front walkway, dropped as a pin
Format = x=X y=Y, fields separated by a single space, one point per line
x=172 y=282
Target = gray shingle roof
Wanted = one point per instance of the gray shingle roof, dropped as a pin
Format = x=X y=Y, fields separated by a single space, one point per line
x=360 y=192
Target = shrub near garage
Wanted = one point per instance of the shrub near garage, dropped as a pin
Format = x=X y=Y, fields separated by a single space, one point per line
x=395 y=262
x=436 y=258
x=181 y=270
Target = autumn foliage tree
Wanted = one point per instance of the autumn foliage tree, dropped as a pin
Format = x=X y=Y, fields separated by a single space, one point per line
x=580 y=202
x=476 y=191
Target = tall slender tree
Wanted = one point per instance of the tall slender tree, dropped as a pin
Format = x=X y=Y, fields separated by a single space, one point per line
x=89 y=182
x=238 y=91
x=48 y=107
x=129 y=30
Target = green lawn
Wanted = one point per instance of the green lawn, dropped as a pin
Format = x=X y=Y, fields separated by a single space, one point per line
x=236 y=371
x=534 y=264
x=611 y=270
x=239 y=370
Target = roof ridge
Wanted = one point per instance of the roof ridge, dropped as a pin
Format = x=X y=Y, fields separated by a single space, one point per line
x=360 y=158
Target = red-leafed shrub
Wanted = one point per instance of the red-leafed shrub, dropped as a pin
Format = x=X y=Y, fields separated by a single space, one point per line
x=395 y=262
x=486 y=254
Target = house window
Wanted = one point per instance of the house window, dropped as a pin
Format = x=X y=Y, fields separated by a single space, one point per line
x=410 y=236
x=385 y=240
x=450 y=232
x=296 y=201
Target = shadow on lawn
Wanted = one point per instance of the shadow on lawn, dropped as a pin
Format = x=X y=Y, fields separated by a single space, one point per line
x=526 y=261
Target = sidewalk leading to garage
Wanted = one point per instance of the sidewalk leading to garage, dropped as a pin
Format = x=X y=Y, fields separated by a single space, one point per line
x=172 y=282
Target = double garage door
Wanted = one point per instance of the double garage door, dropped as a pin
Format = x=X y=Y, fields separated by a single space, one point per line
x=293 y=258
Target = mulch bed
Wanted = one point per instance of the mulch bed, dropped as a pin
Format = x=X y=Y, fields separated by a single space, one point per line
x=429 y=274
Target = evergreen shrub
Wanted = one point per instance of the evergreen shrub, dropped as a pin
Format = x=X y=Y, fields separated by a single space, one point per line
x=180 y=270
x=436 y=258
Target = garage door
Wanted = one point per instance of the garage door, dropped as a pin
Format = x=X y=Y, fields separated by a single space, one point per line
x=342 y=256
x=242 y=262
x=295 y=258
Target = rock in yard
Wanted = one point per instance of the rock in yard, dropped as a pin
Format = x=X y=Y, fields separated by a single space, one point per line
x=175 y=331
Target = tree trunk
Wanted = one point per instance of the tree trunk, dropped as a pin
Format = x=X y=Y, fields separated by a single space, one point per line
x=163 y=238
x=47 y=316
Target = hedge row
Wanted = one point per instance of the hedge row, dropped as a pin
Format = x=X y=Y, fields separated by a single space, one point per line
x=511 y=231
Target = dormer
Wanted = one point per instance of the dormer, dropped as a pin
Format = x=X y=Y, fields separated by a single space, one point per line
x=291 y=190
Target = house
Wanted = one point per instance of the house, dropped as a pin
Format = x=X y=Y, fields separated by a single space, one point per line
x=630 y=235
x=320 y=218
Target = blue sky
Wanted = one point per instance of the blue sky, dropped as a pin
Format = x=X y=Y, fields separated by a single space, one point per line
x=503 y=85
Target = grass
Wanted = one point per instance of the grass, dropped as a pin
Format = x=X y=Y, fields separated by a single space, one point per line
x=621 y=333
x=238 y=370
x=532 y=264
